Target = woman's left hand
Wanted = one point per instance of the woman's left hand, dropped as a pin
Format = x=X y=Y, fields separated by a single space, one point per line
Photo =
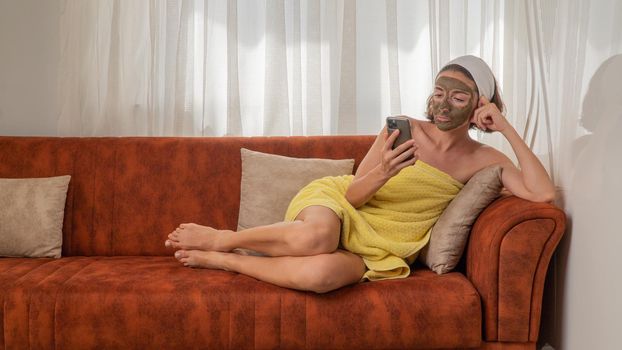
x=488 y=117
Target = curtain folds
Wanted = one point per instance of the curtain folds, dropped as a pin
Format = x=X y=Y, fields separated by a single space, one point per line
x=234 y=118
x=276 y=94
x=321 y=67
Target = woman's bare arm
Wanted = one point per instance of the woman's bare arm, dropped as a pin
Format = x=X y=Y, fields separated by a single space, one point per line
x=378 y=166
x=531 y=181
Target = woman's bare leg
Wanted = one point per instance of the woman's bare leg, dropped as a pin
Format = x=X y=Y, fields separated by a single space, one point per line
x=318 y=273
x=316 y=230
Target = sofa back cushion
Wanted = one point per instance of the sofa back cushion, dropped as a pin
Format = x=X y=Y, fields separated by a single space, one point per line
x=127 y=193
x=31 y=216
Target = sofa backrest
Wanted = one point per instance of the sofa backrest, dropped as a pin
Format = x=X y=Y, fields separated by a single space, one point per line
x=127 y=194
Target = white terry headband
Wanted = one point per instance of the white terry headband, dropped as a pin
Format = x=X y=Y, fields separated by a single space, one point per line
x=480 y=72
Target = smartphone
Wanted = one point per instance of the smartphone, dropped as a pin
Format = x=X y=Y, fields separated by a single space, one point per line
x=403 y=124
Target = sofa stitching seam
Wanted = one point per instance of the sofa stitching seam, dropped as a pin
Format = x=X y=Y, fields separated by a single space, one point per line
x=62 y=289
x=93 y=194
x=37 y=285
x=114 y=195
x=73 y=204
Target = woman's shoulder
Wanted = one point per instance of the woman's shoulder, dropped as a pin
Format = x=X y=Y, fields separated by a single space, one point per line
x=486 y=155
x=477 y=157
x=419 y=125
x=418 y=122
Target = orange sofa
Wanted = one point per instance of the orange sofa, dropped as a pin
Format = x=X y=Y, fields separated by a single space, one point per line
x=117 y=286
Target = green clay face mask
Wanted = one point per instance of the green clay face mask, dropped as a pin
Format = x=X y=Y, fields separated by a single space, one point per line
x=456 y=115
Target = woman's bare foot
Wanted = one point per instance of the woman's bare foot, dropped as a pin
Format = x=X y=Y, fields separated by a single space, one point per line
x=203 y=259
x=193 y=237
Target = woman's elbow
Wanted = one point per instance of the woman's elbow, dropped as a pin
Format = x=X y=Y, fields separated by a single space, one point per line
x=543 y=197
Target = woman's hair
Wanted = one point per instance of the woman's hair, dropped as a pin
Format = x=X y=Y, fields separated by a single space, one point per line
x=496 y=98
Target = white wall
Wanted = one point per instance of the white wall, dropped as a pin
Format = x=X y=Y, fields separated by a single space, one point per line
x=29 y=54
x=584 y=310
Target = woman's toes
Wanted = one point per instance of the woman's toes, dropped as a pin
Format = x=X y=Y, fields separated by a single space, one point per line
x=181 y=254
x=186 y=259
x=172 y=244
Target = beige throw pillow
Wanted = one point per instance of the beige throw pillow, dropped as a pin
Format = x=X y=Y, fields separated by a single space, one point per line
x=31 y=216
x=449 y=235
x=269 y=182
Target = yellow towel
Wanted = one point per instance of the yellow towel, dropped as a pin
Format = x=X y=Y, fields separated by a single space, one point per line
x=391 y=228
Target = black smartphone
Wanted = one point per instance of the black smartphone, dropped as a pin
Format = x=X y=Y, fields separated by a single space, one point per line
x=403 y=124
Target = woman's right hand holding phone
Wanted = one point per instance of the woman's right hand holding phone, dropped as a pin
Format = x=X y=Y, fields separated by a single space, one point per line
x=394 y=160
x=380 y=164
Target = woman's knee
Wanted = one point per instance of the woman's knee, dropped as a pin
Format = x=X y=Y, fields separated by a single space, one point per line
x=319 y=235
x=319 y=232
x=318 y=276
x=328 y=272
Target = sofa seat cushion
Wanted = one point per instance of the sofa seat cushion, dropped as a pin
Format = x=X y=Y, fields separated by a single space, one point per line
x=26 y=284
x=155 y=302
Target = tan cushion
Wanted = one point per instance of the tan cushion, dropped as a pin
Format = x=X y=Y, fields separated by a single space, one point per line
x=31 y=216
x=269 y=182
x=449 y=235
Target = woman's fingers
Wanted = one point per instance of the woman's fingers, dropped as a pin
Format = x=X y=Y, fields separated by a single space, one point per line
x=393 y=162
x=402 y=156
x=483 y=101
x=388 y=153
x=478 y=119
x=409 y=162
x=391 y=140
x=395 y=159
x=480 y=116
x=404 y=146
x=480 y=124
x=400 y=149
x=488 y=116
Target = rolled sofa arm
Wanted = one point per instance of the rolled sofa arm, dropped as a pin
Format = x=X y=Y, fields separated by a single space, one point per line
x=508 y=253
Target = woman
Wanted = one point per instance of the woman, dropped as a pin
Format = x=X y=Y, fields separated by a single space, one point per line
x=347 y=229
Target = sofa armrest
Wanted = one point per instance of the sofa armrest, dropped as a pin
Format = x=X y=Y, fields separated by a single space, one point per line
x=508 y=253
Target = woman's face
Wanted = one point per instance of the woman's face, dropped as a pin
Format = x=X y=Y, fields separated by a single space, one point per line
x=453 y=100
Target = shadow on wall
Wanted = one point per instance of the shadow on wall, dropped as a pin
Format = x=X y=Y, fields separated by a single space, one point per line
x=587 y=293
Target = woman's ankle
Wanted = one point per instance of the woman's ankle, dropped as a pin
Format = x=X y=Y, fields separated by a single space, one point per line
x=229 y=262
x=227 y=241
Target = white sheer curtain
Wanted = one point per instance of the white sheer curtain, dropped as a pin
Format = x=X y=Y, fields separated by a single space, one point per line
x=208 y=67
x=247 y=67
x=308 y=67
x=552 y=49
